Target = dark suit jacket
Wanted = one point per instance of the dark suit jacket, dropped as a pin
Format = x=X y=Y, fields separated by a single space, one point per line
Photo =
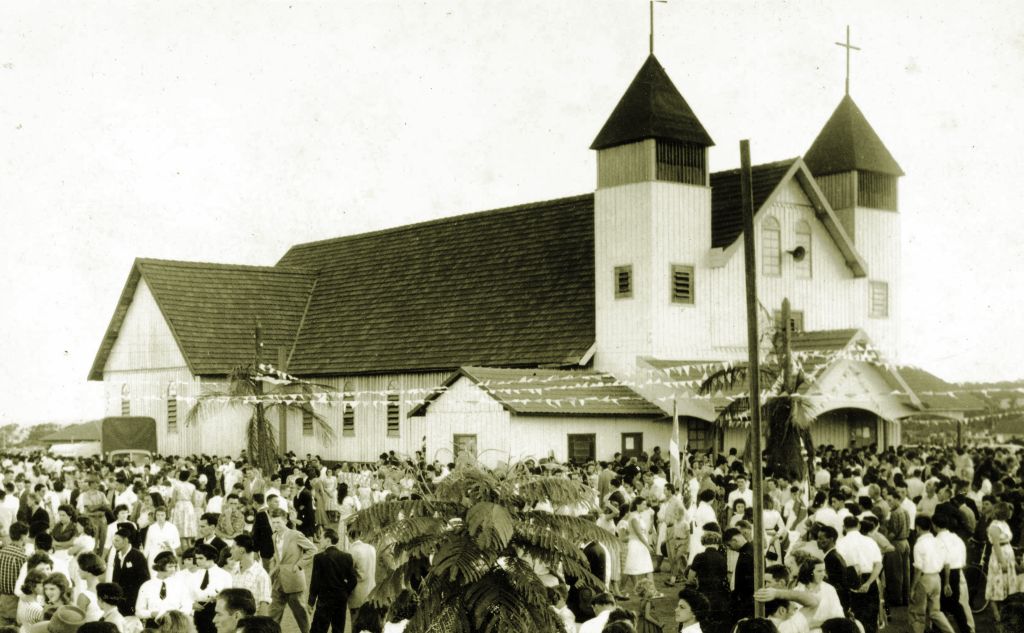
x=596 y=561
x=130 y=575
x=743 y=585
x=39 y=516
x=839 y=575
x=334 y=577
x=304 y=510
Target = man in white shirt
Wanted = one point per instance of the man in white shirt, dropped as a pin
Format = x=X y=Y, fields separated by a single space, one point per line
x=926 y=588
x=207 y=581
x=166 y=592
x=603 y=604
x=742 y=491
x=248 y=573
x=863 y=554
x=790 y=619
x=954 y=599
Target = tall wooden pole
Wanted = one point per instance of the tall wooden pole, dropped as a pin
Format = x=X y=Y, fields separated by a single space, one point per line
x=787 y=369
x=282 y=430
x=750 y=264
x=258 y=355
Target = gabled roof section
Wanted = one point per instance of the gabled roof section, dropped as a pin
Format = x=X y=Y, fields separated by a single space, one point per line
x=212 y=308
x=651 y=108
x=848 y=143
x=727 y=202
x=82 y=432
x=510 y=287
x=766 y=180
x=553 y=392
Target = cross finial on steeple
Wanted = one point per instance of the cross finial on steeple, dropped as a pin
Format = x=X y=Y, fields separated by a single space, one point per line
x=849 y=47
x=652 y=24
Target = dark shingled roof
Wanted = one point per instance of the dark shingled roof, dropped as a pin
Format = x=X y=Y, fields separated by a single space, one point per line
x=651 y=108
x=848 y=143
x=554 y=392
x=212 y=308
x=510 y=287
x=726 y=201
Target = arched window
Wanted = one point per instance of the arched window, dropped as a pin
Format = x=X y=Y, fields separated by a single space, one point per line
x=126 y=400
x=803 y=239
x=394 y=411
x=172 y=407
x=771 y=247
x=348 y=410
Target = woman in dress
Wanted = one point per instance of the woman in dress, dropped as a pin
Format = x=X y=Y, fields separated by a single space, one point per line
x=84 y=540
x=183 y=512
x=161 y=536
x=1002 y=566
x=775 y=532
x=638 y=563
x=64 y=531
x=90 y=569
x=811 y=578
x=708 y=573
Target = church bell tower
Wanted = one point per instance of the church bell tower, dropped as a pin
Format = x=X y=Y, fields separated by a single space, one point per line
x=652 y=224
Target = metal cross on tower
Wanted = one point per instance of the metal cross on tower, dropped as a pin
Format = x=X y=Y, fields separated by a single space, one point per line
x=849 y=47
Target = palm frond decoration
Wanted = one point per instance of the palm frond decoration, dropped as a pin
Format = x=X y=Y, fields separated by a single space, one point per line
x=476 y=549
x=261 y=388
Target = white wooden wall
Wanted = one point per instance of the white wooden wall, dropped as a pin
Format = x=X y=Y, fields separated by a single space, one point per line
x=878 y=242
x=466 y=409
x=540 y=436
x=651 y=226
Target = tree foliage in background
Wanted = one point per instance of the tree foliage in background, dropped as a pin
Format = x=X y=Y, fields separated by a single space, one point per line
x=244 y=385
x=786 y=413
x=472 y=548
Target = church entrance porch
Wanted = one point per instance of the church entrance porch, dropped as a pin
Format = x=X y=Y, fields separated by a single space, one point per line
x=851 y=428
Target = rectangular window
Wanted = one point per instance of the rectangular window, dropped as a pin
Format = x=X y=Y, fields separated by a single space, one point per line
x=623 y=282
x=682 y=284
x=582 y=447
x=348 y=417
x=879 y=300
x=796 y=320
x=632 y=444
x=307 y=422
x=394 y=416
x=126 y=407
x=172 y=414
x=700 y=435
x=464 y=444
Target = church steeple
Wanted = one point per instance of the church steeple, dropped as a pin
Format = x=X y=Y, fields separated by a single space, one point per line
x=651 y=108
x=849 y=143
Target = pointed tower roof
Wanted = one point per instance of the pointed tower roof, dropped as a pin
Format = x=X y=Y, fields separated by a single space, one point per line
x=651 y=108
x=848 y=143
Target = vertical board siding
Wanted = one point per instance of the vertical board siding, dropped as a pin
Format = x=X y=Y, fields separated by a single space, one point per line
x=466 y=409
x=145 y=340
x=840 y=189
x=878 y=242
x=625 y=164
x=541 y=436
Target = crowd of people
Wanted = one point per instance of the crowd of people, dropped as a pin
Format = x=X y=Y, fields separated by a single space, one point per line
x=207 y=544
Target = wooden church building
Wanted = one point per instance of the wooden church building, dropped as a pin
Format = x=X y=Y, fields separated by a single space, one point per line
x=573 y=327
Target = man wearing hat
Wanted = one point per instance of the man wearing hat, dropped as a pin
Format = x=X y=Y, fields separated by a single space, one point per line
x=66 y=619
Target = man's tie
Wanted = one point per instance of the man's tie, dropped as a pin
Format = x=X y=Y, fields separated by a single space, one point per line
x=117 y=562
x=206 y=579
x=163 y=589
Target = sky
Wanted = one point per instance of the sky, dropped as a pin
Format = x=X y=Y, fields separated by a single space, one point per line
x=228 y=131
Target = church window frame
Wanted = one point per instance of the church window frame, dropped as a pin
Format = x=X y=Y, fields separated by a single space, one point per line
x=172 y=408
x=771 y=247
x=308 y=421
x=126 y=400
x=802 y=238
x=681 y=282
x=393 y=411
x=878 y=299
x=348 y=410
x=623 y=281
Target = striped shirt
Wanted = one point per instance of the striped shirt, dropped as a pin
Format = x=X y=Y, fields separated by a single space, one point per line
x=12 y=557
